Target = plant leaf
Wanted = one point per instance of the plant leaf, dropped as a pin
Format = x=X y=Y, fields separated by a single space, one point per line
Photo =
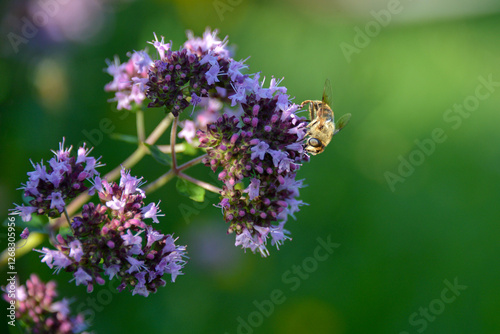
x=162 y=158
x=189 y=149
x=191 y=190
x=125 y=138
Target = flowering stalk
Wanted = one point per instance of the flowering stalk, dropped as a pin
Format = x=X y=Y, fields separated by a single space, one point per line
x=162 y=180
x=251 y=138
x=76 y=204
x=256 y=148
x=105 y=240
x=254 y=144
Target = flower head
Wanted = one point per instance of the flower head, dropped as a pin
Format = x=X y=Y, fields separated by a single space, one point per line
x=51 y=187
x=255 y=146
x=39 y=312
x=259 y=150
x=264 y=157
x=112 y=239
x=188 y=74
x=129 y=78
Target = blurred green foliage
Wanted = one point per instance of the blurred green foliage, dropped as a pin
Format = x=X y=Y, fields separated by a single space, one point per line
x=396 y=247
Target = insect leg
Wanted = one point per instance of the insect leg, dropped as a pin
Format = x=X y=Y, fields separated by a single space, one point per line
x=312 y=114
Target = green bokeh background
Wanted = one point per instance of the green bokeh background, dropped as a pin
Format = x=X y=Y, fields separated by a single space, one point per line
x=397 y=246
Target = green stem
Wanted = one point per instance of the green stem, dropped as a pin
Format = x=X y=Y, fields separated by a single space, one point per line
x=159 y=182
x=78 y=202
x=162 y=180
x=191 y=163
x=200 y=183
x=173 y=137
x=141 y=132
x=160 y=129
x=168 y=149
x=37 y=238
x=142 y=150
x=67 y=216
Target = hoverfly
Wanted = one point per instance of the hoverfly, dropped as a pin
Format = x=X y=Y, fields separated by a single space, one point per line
x=322 y=126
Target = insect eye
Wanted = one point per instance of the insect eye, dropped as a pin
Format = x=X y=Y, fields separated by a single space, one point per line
x=314 y=142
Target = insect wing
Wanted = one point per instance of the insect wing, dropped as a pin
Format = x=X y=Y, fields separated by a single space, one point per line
x=327 y=93
x=341 y=122
x=325 y=112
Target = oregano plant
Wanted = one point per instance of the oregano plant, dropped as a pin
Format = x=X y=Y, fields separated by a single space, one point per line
x=246 y=131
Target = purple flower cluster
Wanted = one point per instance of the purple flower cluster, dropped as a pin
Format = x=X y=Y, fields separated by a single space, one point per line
x=259 y=153
x=128 y=79
x=112 y=239
x=180 y=78
x=52 y=186
x=38 y=312
x=256 y=148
